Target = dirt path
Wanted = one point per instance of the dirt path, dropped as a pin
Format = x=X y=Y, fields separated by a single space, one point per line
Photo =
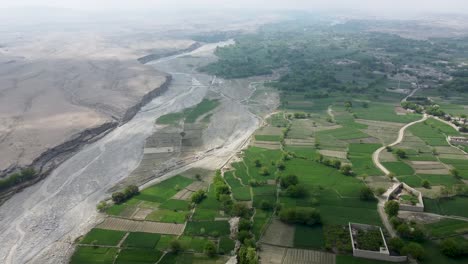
x=401 y=134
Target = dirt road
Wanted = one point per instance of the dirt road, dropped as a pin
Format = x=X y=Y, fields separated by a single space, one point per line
x=401 y=134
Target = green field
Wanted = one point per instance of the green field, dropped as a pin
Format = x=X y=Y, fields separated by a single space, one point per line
x=360 y=156
x=399 y=168
x=93 y=255
x=190 y=115
x=207 y=228
x=453 y=206
x=142 y=240
x=275 y=138
x=309 y=237
x=138 y=255
x=446 y=228
x=103 y=237
x=164 y=190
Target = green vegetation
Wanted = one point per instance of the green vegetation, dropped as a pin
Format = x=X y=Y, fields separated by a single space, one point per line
x=17 y=178
x=103 y=237
x=93 y=255
x=138 y=255
x=142 y=240
x=207 y=228
x=189 y=115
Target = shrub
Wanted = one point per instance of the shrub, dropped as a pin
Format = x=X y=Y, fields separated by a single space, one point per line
x=198 y=196
x=264 y=171
x=102 y=206
x=451 y=248
x=306 y=216
x=346 y=170
x=280 y=165
x=426 y=184
x=296 y=191
x=413 y=249
x=257 y=162
x=175 y=246
x=401 y=154
x=244 y=224
x=392 y=208
x=286 y=181
x=396 y=244
x=366 y=194
x=118 y=197
x=380 y=190
x=266 y=205
x=210 y=249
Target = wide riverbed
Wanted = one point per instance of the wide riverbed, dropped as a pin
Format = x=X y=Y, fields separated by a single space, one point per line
x=39 y=224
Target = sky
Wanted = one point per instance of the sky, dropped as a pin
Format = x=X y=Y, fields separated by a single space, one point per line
x=377 y=6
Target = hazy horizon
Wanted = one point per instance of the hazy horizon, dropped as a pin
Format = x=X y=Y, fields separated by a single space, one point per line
x=378 y=7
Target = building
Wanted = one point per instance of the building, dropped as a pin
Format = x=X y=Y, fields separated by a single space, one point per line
x=409 y=199
x=458 y=140
x=380 y=253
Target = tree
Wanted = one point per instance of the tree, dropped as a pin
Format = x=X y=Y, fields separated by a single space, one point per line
x=266 y=205
x=366 y=194
x=391 y=175
x=396 y=243
x=198 y=177
x=280 y=165
x=198 y=196
x=401 y=154
x=336 y=164
x=131 y=191
x=451 y=248
x=264 y=171
x=175 y=246
x=210 y=249
x=257 y=162
x=426 y=184
x=288 y=180
x=365 y=105
x=305 y=216
x=346 y=170
x=296 y=191
x=413 y=249
x=244 y=224
x=241 y=210
x=102 y=206
x=392 y=208
x=118 y=197
x=455 y=173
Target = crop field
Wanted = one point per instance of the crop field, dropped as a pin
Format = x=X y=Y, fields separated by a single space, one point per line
x=279 y=234
x=460 y=165
x=137 y=255
x=190 y=115
x=432 y=132
x=386 y=132
x=399 y=168
x=448 y=206
x=301 y=129
x=120 y=224
x=309 y=237
x=360 y=156
x=383 y=112
x=260 y=220
x=303 y=152
x=103 y=237
x=277 y=120
x=345 y=133
x=141 y=240
x=164 y=190
x=91 y=255
x=207 y=228
x=446 y=228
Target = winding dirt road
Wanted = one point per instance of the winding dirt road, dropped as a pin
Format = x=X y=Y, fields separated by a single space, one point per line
x=401 y=134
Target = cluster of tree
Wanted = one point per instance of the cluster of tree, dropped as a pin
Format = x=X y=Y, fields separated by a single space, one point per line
x=301 y=115
x=17 y=178
x=303 y=216
x=220 y=185
x=459 y=84
x=366 y=194
x=435 y=110
x=454 y=248
x=408 y=230
x=127 y=193
x=413 y=106
x=291 y=187
x=198 y=196
x=401 y=153
x=412 y=249
x=392 y=208
x=345 y=169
